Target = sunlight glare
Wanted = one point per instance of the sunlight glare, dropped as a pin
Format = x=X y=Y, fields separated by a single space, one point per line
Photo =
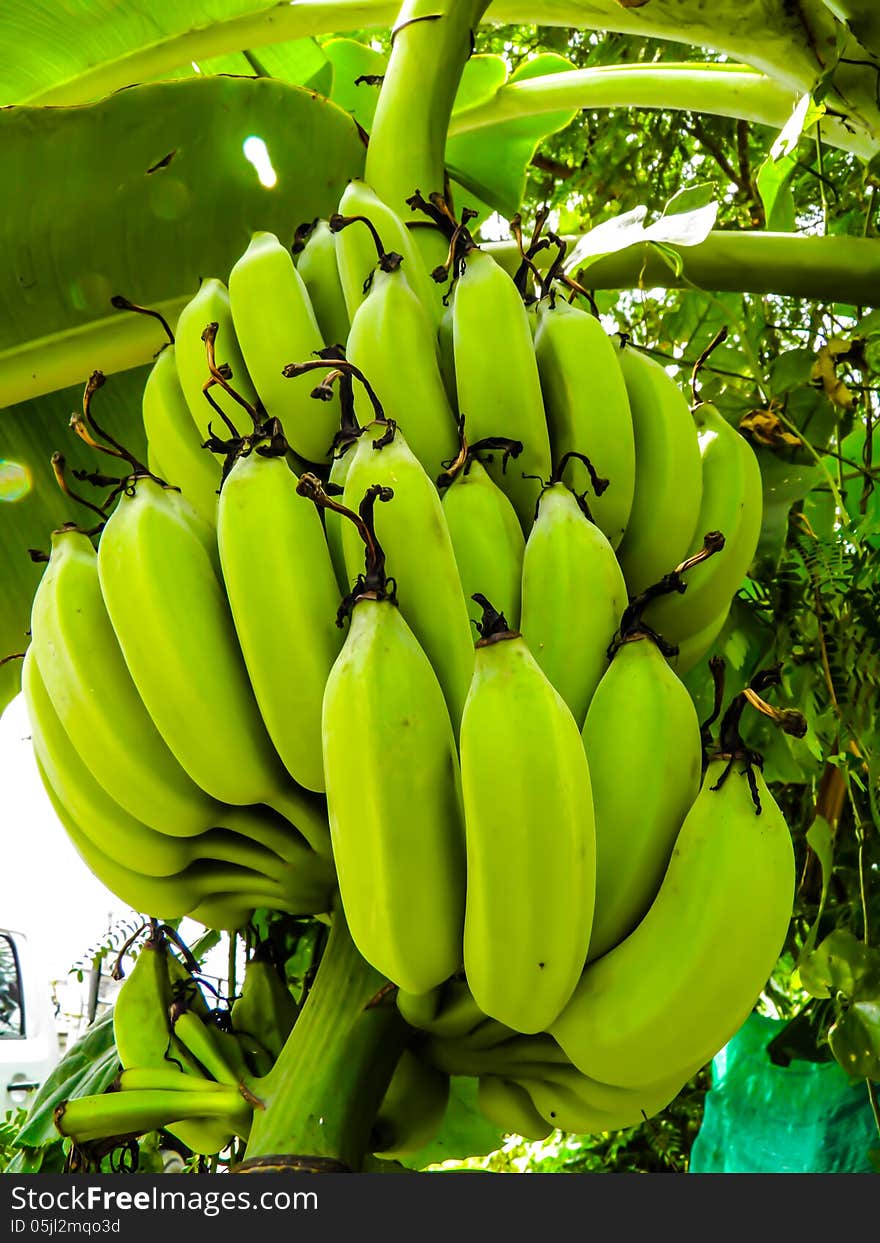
x=257 y=153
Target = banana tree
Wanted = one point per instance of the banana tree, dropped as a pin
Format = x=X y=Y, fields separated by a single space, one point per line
x=145 y=153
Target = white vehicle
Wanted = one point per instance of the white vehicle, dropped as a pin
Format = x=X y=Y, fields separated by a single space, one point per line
x=29 y=1045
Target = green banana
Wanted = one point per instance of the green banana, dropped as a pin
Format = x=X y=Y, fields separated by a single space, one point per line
x=642 y=739
x=265 y=1008
x=157 y=1078
x=109 y=827
x=274 y=323
x=336 y=478
x=210 y=305
x=507 y=1105
x=217 y=1053
x=419 y=1009
x=314 y=253
x=150 y=1055
x=671 y=994
x=668 y=483
x=88 y=1118
x=140 y=1010
x=228 y=912
x=514 y=1056
x=530 y=835
x=412 y=1109
x=356 y=251
x=572 y=1102
x=446 y=352
x=109 y=730
x=154 y=466
x=169 y=897
x=587 y=407
x=496 y=375
x=487 y=539
x=692 y=649
x=732 y=502
x=413 y=532
x=449 y=1012
x=96 y=700
x=174 y=440
x=573 y=594
x=393 y=341
x=171 y=617
x=393 y=787
x=284 y=611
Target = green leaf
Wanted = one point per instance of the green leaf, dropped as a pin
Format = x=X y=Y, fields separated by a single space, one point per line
x=691 y=198
x=465 y=1131
x=784 y=483
x=820 y=838
x=775 y=173
x=32 y=504
x=143 y=194
x=87 y=1068
x=686 y=228
x=80 y=50
x=862 y=506
x=789 y=370
x=351 y=60
x=492 y=162
x=842 y=964
x=301 y=61
x=482 y=79
x=855 y=1040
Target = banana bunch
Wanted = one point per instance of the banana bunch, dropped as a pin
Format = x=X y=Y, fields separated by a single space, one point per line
x=145 y=725
x=179 y=1071
x=395 y=619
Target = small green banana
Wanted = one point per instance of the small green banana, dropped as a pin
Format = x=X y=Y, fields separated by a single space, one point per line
x=496 y=376
x=587 y=405
x=393 y=786
x=574 y=1103
x=265 y=1008
x=530 y=834
x=275 y=322
x=356 y=251
x=486 y=535
x=314 y=253
x=573 y=594
x=284 y=609
x=507 y=1105
x=642 y=739
x=210 y=305
x=140 y=1011
x=412 y=1110
x=174 y=440
x=733 y=503
x=88 y=1118
x=393 y=341
x=415 y=536
x=669 y=481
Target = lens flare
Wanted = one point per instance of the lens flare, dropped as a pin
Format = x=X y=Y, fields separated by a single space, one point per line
x=15 y=480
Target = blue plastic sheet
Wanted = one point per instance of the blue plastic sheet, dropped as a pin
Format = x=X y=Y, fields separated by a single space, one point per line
x=760 y=1118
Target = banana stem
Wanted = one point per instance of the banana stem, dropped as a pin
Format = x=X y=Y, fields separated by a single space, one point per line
x=324 y=1091
x=824 y=269
x=432 y=40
